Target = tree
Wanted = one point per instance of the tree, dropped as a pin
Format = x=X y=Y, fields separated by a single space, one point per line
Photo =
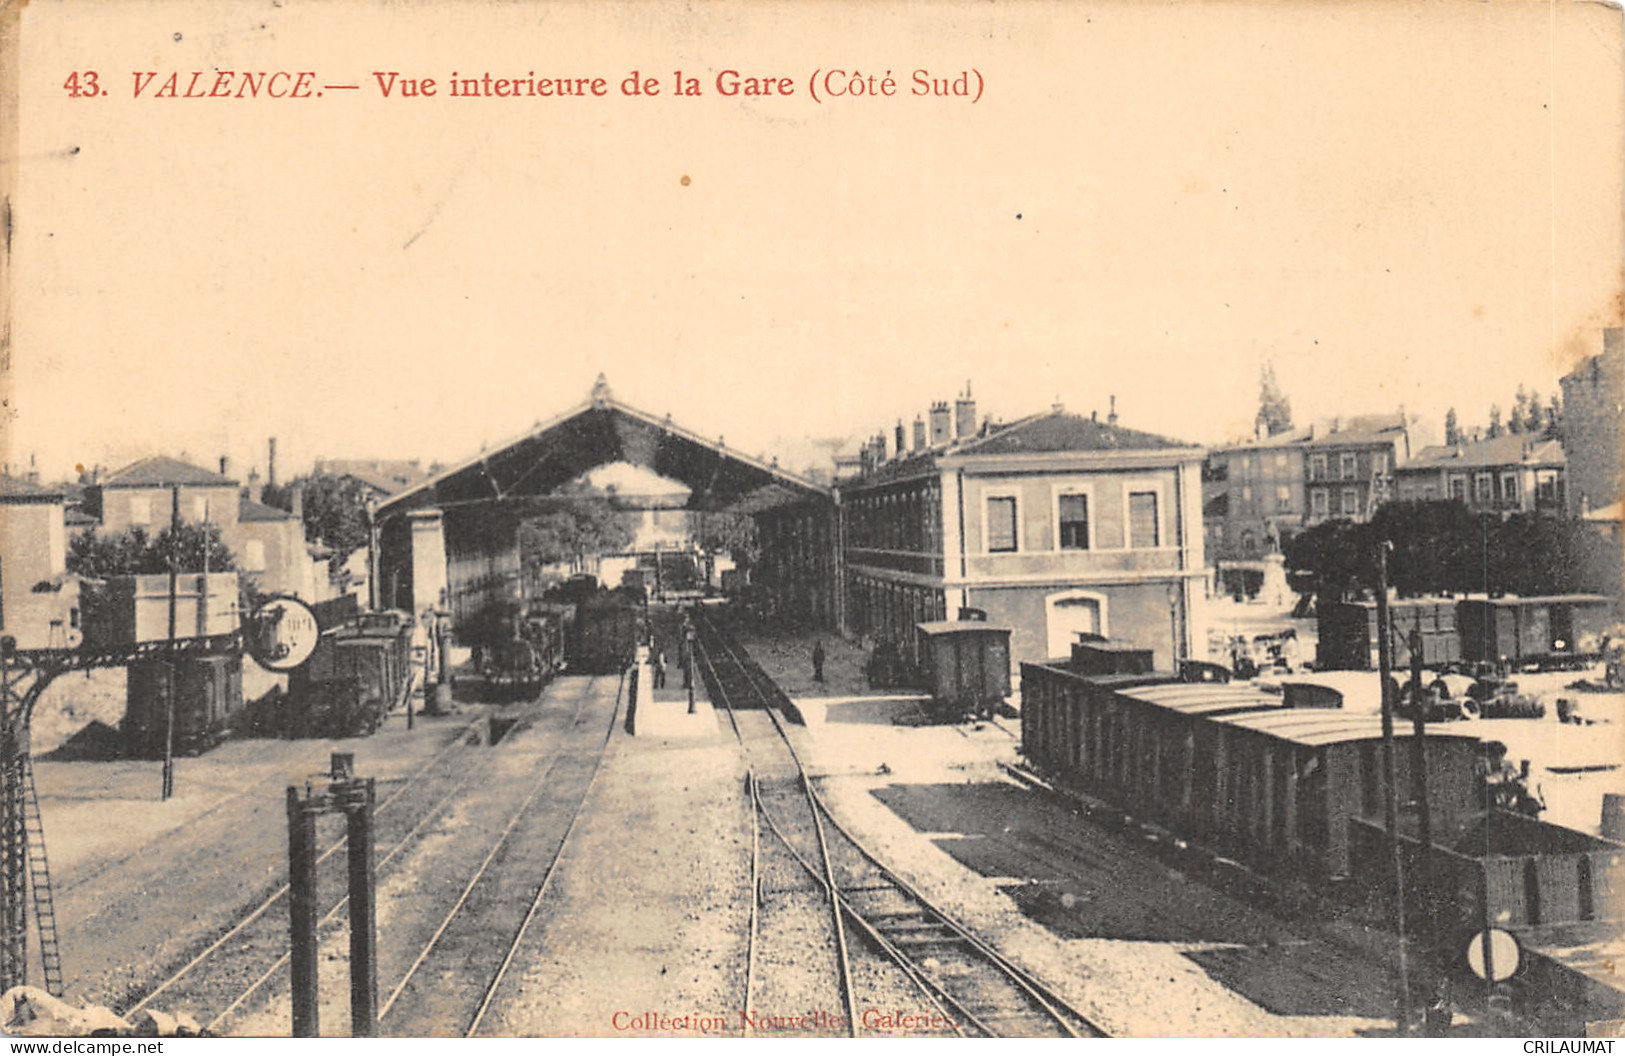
x=1554 y=417
x=335 y=512
x=581 y=522
x=1334 y=557
x=1534 y=417
x=194 y=547
x=1520 y=411
x=1452 y=428
x=733 y=532
x=1495 y=428
x=1274 y=409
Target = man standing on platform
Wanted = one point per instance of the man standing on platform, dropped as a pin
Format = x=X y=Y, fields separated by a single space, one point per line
x=818 y=662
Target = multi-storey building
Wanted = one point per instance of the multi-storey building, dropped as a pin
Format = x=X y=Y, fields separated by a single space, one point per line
x=1593 y=406
x=1506 y=474
x=1256 y=496
x=267 y=543
x=1349 y=466
x=1055 y=525
x=38 y=602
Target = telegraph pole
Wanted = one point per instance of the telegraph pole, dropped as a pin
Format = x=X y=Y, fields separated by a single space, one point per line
x=169 y=666
x=1390 y=805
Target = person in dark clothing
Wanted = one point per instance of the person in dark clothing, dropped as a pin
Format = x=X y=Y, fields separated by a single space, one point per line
x=818 y=661
x=660 y=670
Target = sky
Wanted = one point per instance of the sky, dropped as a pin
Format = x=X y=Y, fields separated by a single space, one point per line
x=1396 y=203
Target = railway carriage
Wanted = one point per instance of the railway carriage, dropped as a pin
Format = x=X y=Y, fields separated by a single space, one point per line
x=208 y=693
x=1550 y=630
x=361 y=669
x=607 y=629
x=1228 y=764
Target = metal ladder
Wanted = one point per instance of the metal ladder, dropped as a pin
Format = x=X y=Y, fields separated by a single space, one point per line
x=39 y=881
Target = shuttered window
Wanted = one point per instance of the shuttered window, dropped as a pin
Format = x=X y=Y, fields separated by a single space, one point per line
x=1074 y=516
x=1142 y=520
x=1001 y=524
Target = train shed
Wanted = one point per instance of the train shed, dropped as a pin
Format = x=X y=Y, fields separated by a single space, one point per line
x=452 y=540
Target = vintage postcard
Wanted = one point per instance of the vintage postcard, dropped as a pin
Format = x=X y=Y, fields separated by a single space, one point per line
x=821 y=519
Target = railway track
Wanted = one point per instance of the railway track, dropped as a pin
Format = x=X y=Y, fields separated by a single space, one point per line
x=977 y=991
x=222 y=980
x=459 y=973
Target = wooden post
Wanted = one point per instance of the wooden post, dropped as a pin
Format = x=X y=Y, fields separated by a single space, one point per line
x=363 y=910
x=1390 y=805
x=302 y=914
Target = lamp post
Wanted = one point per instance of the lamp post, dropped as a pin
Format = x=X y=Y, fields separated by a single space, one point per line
x=1173 y=623
x=373 y=598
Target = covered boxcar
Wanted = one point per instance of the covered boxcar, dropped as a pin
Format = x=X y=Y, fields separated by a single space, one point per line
x=361 y=669
x=1348 y=633
x=965 y=665
x=1548 y=630
x=208 y=696
x=605 y=636
x=1230 y=765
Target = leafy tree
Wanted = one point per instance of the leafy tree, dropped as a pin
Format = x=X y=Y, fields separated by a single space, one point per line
x=1334 y=557
x=1443 y=548
x=1274 y=409
x=194 y=547
x=1495 y=429
x=733 y=532
x=1452 y=428
x=335 y=512
x=582 y=521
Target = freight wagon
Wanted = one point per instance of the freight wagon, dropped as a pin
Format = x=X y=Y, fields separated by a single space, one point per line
x=605 y=636
x=1229 y=765
x=208 y=694
x=965 y=665
x=1553 y=630
x=360 y=671
x=1348 y=633
x=1301 y=791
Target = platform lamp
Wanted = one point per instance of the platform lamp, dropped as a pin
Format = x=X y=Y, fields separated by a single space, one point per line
x=374 y=594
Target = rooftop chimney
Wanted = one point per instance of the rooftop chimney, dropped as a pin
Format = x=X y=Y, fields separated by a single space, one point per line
x=941 y=423
x=902 y=440
x=919 y=433
x=33 y=470
x=965 y=414
x=1111 y=415
x=225 y=466
x=270 y=466
x=256 y=488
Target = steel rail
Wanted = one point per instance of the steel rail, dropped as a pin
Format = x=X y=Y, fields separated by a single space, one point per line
x=843 y=960
x=479 y=873
x=343 y=903
x=547 y=877
x=1055 y=1007
x=277 y=895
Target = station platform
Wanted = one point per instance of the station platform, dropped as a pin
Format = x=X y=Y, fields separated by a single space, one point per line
x=663 y=712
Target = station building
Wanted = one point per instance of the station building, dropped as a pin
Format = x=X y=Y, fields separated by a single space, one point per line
x=1054 y=525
